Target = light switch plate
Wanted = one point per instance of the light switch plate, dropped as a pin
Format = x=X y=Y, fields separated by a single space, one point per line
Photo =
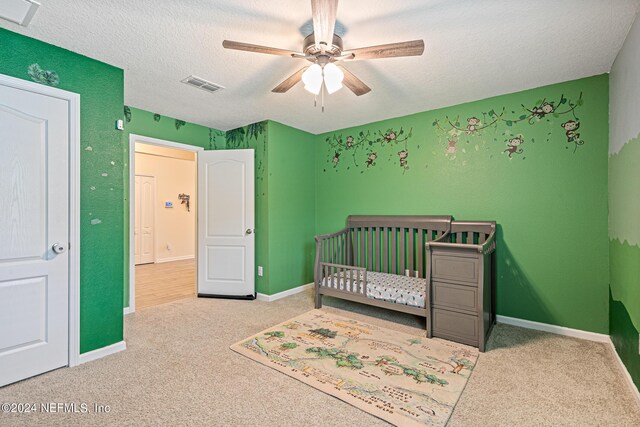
x=259 y=270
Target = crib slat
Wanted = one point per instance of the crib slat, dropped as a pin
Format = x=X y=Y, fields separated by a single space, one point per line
x=362 y=247
x=394 y=232
x=401 y=252
x=411 y=252
x=370 y=249
x=377 y=232
x=326 y=276
x=458 y=237
x=385 y=249
x=482 y=238
x=348 y=238
x=420 y=253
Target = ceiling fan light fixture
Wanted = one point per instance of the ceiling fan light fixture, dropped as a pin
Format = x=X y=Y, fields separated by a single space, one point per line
x=312 y=79
x=333 y=77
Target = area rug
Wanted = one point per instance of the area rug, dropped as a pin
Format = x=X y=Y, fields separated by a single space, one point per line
x=403 y=379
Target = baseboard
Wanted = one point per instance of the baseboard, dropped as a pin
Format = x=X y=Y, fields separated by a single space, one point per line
x=625 y=373
x=554 y=329
x=102 y=352
x=127 y=310
x=174 y=258
x=283 y=294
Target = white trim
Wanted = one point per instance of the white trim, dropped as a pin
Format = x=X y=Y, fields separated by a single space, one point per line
x=126 y=311
x=74 y=202
x=554 y=329
x=175 y=258
x=102 y=352
x=625 y=373
x=283 y=294
x=133 y=138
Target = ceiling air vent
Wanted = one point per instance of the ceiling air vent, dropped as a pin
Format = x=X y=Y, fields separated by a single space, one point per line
x=18 y=11
x=202 y=84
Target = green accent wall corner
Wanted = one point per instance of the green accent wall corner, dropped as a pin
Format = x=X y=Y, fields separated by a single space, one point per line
x=291 y=207
x=624 y=336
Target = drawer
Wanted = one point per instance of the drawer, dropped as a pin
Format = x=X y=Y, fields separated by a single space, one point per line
x=459 y=268
x=462 y=328
x=459 y=297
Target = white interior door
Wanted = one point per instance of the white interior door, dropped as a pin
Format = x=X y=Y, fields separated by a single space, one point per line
x=144 y=237
x=34 y=233
x=136 y=222
x=226 y=221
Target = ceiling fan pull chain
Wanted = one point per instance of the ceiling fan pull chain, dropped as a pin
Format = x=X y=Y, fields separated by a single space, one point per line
x=322 y=96
x=315 y=101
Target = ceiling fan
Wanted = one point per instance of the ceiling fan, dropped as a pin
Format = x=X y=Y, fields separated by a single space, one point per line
x=323 y=49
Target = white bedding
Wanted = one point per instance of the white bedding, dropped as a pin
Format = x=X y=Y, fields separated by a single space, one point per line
x=384 y=286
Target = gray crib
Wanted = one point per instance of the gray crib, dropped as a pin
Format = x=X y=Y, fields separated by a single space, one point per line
x=429 y=266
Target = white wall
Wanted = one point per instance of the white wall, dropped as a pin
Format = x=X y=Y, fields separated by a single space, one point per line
x=175 y=227
x=624 y=92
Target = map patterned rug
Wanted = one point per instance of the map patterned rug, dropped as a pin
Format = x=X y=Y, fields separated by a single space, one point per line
x=400 y=378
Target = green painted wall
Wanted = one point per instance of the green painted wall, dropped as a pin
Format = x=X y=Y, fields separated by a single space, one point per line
x=624 y=252
x=101 y=88
x=291 y=207
x=548 y=194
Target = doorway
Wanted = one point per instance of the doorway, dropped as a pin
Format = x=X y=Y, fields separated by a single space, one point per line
x=163 y=201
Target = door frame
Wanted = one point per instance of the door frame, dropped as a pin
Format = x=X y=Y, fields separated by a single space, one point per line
x=73 y=100
x=133 y=138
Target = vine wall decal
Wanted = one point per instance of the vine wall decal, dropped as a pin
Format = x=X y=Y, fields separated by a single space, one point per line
x=365 y=148
x=496 y=131
x=45 y=77
x=544 y=110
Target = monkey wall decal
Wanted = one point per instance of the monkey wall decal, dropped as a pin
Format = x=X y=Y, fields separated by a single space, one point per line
x=403 y=158
x=452 y=149
x=571 y=127
x=513 y=146
x=349 y=143
x=472 y=125
x=336 y=159
x=371 y=158
x=390 y=136
x=542 y=110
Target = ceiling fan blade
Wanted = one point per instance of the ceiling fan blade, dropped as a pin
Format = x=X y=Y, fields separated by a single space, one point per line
x=354 y=84
x=290 y=82
x=228 y=44
x=324 y=21
x=411 y=48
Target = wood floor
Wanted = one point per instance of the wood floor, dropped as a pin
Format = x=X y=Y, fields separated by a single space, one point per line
x=166 y=282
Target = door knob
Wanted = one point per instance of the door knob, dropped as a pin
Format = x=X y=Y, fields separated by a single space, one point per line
x=249 y=231
x=58 y=248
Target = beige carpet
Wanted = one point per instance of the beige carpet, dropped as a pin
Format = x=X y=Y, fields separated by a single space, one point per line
x=179 y=370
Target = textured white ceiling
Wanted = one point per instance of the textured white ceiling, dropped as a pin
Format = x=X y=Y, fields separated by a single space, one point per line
x=474 y=49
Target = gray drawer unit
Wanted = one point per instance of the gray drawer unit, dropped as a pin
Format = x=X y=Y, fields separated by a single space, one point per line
x=454 y=326
x=455 y=266
x=453 y=296
x=461 y=288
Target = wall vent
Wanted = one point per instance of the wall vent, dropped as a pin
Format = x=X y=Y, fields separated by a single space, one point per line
x=18 y=11
x=202 y=84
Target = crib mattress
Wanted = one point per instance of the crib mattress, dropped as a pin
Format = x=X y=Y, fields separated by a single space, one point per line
x=386 y=287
